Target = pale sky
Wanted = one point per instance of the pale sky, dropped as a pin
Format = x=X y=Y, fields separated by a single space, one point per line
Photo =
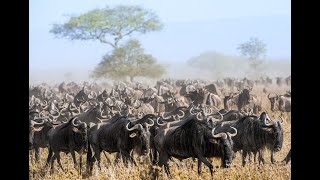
x=191 y=27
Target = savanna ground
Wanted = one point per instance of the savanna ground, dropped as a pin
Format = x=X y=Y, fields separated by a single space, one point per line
x=187 y=169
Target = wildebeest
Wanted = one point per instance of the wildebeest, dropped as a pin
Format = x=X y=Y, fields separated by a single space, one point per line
x=95 y=114
x=231 y=115
x=241 y=99
x=282 y=103
x=103 y=96
x=194 y=139
x=34 y=127
x=255 y=133
x=80 y=97
x=244 y=98
x=67 y=137
x=118 y=135
x=40 y=138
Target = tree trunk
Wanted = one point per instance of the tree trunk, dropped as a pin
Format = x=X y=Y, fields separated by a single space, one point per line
x=131 y=78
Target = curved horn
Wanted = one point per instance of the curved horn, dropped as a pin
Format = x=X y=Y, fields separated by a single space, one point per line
x=198 y=114
x=61 y=111
x=65 y=121
x=166 y=117
x=103 y=117
x=176 y=117
x=181 y=115
x=152 y=123
x=36 y=123
x=134 y=127
x=219 y=135
x=233 y=134
x=72 y=109
x=191 y=109
x=73 y=122
x=164 y=123
x=266 y=123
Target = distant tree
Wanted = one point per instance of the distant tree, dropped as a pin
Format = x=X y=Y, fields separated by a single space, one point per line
x=113 y=26
x=255 y=49
x=128 y=60
x=108 y=25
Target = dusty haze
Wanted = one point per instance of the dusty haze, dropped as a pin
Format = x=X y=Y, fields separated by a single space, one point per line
x=174 y=70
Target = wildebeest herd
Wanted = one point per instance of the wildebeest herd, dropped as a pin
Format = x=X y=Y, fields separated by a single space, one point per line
x=173 y=119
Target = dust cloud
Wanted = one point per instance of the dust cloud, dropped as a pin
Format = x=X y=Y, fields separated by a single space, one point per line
x=201 y=67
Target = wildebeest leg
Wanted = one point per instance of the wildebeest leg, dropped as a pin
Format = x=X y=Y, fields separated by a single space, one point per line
x=261 y=159
x=249 y=157
x=80 y=160
x=244 y=156
x=36 y=153
x=90 y=159
x=74 y=159
x=127 y=156
x=204 y=160
x=199 y=167
x=272 y=158
x=108 y=160
x=254 y=156
x=118 y=155
x=97 y=154
x=151 y=156
x=163 y=160
x=49 y=157
x=58 y=159
x=52 y=163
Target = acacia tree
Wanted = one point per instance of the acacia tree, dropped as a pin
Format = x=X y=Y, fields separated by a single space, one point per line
x=128 y=60
x=108 y=25
x=255 y=49
x=112 y=26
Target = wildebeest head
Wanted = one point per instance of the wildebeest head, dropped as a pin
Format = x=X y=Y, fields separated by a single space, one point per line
x=81 y=96
x=141 y=135
x=226 y=143
x=274 y=101
x=80 y=130
x=34 y=127
x=226 y=102
x=274 y=131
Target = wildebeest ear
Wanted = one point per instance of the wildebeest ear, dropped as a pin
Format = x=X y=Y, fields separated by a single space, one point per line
x=76 y=130
x=35 y=129
x=132 y=135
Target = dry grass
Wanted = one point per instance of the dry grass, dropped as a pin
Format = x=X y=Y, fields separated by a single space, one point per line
x=187 y=168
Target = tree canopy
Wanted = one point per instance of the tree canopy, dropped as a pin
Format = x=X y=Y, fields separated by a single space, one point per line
x=108 y=25
x=255 y=49
x=129 y=60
